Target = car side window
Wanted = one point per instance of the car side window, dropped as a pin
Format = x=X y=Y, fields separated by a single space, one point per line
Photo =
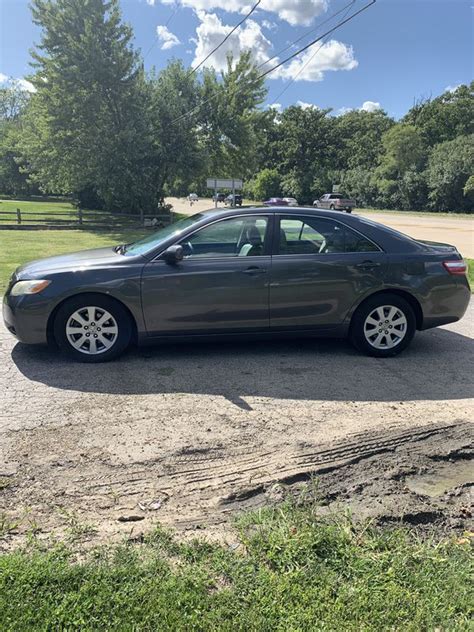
x=306 y=236
x=235 y=237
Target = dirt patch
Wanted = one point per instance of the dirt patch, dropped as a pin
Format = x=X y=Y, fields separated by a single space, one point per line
x=419 y=477
x=423 y=478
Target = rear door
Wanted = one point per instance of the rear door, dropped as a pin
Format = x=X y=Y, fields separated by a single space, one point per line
x=320 y=269
x=222 y=284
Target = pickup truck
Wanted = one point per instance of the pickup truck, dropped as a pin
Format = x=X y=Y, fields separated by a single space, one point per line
x=335 y=202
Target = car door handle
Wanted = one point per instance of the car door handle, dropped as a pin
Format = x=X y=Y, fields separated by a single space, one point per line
x=367 y=265
x=254 y=270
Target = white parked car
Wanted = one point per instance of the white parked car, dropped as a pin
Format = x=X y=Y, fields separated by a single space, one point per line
x=291 y=201
x=193 y=197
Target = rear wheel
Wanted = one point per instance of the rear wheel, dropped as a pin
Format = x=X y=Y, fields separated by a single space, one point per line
x=383 y=326
x=92 y=328
x=332 y=207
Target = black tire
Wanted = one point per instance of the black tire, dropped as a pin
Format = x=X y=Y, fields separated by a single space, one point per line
x=357 y=333
x=119 y=341
x=332 y=207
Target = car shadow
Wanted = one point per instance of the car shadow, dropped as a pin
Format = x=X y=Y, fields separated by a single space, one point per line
x=437 y=366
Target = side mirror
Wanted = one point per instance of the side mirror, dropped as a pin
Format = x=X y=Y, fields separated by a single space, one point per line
x=173 y=254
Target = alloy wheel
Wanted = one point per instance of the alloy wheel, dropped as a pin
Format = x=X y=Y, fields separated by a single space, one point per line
x=385 y=327
x=91 y=330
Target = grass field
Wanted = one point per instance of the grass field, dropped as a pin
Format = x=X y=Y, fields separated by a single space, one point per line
x=286 y=572
x=18 y=247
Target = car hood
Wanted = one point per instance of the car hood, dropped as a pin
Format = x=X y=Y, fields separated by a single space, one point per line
x=69 y=262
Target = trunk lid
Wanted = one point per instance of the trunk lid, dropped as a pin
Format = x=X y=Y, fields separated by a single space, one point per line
x=439 y=247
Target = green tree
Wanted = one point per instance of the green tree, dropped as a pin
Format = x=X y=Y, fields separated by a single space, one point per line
x=305 y=149
x=450 y=170
x=266 y=184
x=13 y=175
x=87 y=122
x=359 y=137
x=228 y=118
x=445 y=117
x=398 y=177
x=176 y=154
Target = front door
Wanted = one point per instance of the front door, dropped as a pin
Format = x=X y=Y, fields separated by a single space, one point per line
x=319 y=270
x=222 y=284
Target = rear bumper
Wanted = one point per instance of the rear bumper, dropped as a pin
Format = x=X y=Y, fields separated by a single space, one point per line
x=446 y=304
x=26 y=317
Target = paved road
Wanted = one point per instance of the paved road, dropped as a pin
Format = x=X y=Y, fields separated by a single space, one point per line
x=459 y=232
x=198 y=422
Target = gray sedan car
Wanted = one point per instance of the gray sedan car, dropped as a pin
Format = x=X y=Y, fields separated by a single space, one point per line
x=260 y=272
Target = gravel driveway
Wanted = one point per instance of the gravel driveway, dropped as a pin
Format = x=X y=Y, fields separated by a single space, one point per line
x=197 y=427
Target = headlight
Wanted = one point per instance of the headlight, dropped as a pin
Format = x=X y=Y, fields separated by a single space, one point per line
x=28 y=287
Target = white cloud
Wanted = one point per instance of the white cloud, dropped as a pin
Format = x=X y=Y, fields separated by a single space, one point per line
x=269 y=25
x=275 y=106
x=332 y=55
x=151 y=2
x=21 y=83
x=453 y=88
x=248 y=37
x=307 y=106
x=367 y=106
x=343 y=110
x=295 y=12
x=166 y=37
x=370 y=106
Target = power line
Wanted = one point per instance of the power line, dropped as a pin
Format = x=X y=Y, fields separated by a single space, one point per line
x=298 y=52
x=193 y=70
x=313 y=30
x=177 y=5
x=318 y=39
x=293 y=79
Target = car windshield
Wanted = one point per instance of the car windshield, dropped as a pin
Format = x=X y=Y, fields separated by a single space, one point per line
x=150 y=242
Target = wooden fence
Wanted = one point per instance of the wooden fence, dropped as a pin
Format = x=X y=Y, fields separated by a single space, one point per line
x=80 y=219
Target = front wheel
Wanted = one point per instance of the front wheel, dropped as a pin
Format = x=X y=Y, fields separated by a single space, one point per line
x=92 y=328
x=383 y=326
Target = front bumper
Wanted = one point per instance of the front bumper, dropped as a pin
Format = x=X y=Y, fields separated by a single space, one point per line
x=26 y=317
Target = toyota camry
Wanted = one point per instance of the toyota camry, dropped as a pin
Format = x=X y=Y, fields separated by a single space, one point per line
x=253 y=272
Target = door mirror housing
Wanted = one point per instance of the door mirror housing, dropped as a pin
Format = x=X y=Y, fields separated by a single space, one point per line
x=173 y=254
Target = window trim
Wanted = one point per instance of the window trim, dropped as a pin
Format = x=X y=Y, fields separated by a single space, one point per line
x=267 y=240
x=276 y=238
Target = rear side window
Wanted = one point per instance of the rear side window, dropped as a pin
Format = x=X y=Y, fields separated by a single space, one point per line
x=305 y=236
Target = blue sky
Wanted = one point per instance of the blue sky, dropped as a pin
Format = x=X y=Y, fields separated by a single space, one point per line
x=392 y=54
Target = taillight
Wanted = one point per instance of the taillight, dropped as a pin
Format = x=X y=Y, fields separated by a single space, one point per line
x=455 y=267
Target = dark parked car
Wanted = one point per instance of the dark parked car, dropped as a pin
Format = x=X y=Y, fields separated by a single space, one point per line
x=219 y=197
x=275 y=201
x=335 y=202
x=251 y=272
x=234 y=200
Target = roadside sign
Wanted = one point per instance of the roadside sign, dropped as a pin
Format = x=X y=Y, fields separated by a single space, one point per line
x=235 y=184
x=224 y=183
